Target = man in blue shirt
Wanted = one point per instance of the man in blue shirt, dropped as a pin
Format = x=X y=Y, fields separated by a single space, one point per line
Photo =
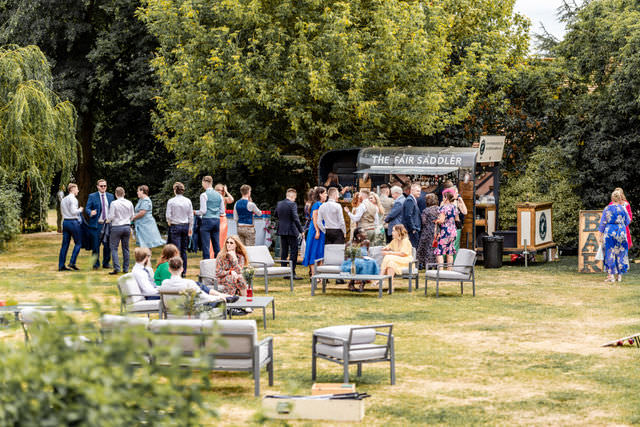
x=98 y=209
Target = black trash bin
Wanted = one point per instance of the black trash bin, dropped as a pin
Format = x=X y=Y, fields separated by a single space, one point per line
x=492 y=251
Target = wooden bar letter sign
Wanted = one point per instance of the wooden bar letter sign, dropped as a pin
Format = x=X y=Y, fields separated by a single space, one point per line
x=588 y=243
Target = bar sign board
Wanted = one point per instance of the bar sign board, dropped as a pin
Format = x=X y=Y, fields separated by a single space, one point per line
x=588 y=243
x=490 y=148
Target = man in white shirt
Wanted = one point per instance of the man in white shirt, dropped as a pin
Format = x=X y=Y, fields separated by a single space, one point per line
x=70 y=228
x=119 y=216
x=180 y=220
x=178 y=284
x=331 y=220
x=143 y=273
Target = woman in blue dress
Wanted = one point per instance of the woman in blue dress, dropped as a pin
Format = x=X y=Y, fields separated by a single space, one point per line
x=613 y=238
x=315 y=237
x=363 y=265
x=147 y=234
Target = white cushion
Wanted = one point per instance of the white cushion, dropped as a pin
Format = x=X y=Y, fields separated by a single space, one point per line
x=414 y=270
x=144 y=306
x=110 y=322
x=208 y=271
x=263 y=357
x=128 y=286
x=375 y=252
x=30 y=315
x=355 y=354
x=328 y=269
x=231 y=343
x=260 y=255
x=272 y=271
x=333 y=254
x=446 y=274
x=177 y=332
x=334 y=334
x=464 y=257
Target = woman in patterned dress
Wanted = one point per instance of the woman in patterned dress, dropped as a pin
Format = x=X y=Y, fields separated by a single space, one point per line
x=448 y=232
x=147 y=234
x=430 y=214
x=229 y=263
x=612 y=237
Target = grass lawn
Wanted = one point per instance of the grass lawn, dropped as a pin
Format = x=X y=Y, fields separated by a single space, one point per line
x=525 y=350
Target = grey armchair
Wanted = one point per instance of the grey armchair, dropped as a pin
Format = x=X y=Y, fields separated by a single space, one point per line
x=353 y=344
x=463 y=270
x=264 y=264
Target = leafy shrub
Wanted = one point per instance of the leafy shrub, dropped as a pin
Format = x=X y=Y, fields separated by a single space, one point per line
x=52 y=383
x=9 y=211
x=548 y=177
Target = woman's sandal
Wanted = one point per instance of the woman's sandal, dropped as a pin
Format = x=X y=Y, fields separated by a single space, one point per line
x=352 y=288
x=361 y=288
x=610 y=280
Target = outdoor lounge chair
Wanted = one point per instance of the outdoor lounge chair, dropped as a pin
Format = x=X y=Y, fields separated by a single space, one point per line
x=30 y=317
x=264 y=264
x=332 y=260
x=353 y=344
x=463 y=271
x=239 y=350
x=131 y=300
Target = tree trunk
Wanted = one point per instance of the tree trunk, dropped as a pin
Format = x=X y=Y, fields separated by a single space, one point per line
x=84 y=176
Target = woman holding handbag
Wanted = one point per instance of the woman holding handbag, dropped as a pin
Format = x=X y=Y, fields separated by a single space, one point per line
x=429 y=215
x=447 y=237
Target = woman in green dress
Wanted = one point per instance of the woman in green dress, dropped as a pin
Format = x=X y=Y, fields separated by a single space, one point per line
x=162 y=269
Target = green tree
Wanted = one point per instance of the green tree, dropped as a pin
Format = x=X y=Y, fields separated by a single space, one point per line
x=100 y=55
x=549 y=176
x=37 y=128
x=601 y=55
x=247 y=81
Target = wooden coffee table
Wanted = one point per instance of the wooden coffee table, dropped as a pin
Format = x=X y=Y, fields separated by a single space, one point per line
x=348 y=276
x=254 y=303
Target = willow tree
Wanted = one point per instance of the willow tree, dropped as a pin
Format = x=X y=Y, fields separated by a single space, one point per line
x=37 y=129
x=244 y=81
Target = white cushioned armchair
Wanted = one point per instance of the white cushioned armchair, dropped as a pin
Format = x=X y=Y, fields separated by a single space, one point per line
x=353 y=344
x=260 y=258
x=132 y=300
x=333 y=259
x=463 y=271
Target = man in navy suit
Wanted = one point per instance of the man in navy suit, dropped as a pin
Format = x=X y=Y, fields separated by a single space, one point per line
x=289 y=228
x=411 y=215
x=98 y=209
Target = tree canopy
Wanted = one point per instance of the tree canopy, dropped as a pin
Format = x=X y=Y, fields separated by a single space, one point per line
x=37 y=128
x=246 y=81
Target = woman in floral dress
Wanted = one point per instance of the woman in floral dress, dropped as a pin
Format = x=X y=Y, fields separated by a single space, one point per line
x=430 y=214
x=613 y=238
x=229 y=263
x=448 y=232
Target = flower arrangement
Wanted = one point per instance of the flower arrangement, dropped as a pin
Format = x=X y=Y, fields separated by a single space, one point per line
x=352 y=251
x=247 y=273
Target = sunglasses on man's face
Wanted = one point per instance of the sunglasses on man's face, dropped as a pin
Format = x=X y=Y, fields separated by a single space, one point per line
x=101 y=186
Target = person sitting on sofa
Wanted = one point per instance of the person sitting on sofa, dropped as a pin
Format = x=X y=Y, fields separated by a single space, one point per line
x=143 y=273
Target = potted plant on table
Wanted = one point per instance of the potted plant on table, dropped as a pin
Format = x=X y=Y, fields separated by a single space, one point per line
x=352 y=252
